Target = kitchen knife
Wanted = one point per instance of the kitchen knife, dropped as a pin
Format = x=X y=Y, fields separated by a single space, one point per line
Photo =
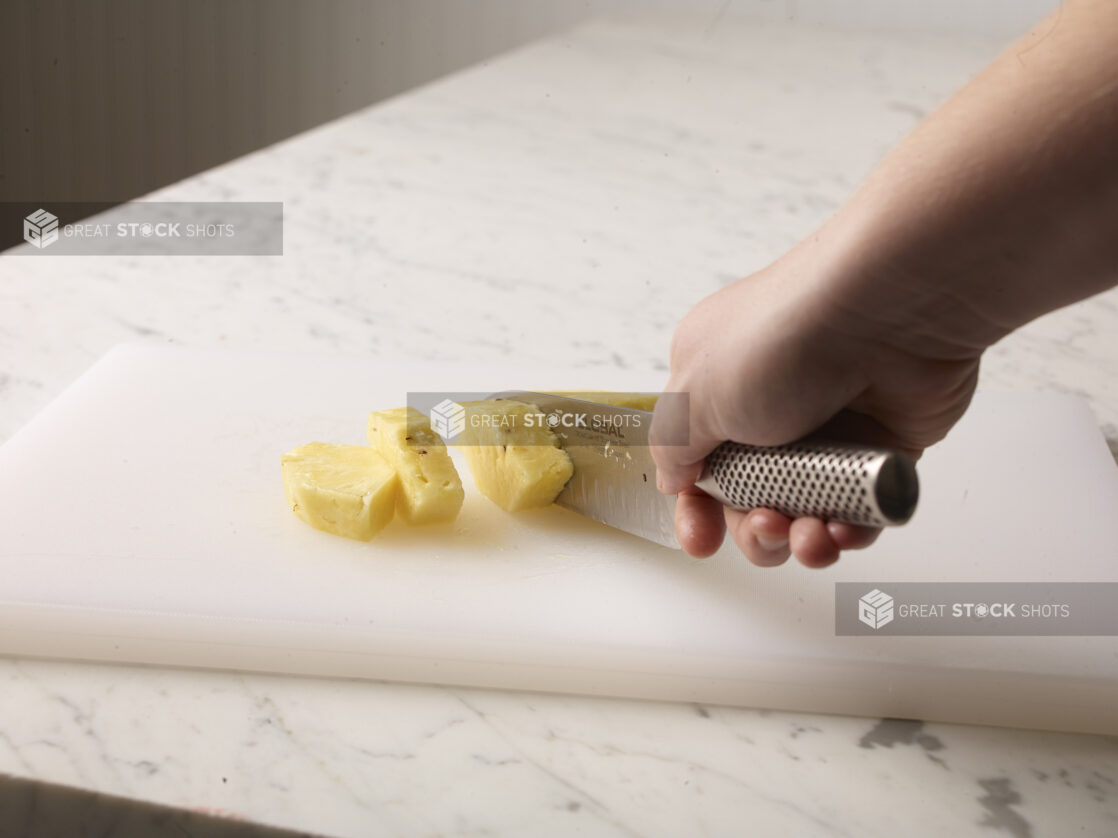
x=614 y=477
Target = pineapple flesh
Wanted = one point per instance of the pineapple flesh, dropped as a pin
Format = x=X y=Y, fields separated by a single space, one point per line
x=347 y=490
x=430 y=490
x=515 y=464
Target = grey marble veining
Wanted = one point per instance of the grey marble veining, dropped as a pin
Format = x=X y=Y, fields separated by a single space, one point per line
x=351 y=758
x=573 y=198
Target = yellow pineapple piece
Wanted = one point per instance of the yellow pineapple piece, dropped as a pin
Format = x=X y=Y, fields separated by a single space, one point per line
x=347 y=490
x=430 y=490
x=638 y=401
x=516 y=461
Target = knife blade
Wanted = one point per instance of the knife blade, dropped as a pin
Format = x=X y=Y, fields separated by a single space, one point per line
x=614 y=478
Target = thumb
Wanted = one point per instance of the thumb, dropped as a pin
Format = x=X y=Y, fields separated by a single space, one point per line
x=679 y=443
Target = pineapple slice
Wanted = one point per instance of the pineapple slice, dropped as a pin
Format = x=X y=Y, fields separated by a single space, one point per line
x=514 y=464
x=430 y=490
x=638 y=401
x=347 y=490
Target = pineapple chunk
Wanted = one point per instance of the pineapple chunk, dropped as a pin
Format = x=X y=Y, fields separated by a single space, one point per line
x=638 y=401
x=430 y=490
x=514 y=465
x=347 y=490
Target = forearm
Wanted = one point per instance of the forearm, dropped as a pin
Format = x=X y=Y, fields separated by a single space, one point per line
x=1002 y=205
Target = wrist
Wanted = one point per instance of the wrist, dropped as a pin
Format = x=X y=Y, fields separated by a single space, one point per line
x=883 y=277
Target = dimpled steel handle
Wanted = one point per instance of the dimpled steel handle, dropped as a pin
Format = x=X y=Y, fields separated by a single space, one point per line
x=875 y=487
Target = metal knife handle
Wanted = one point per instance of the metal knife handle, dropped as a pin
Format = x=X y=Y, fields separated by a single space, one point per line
x=874 y=487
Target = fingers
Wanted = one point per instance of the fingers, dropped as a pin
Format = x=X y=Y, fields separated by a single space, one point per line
x=768 y=538
x=762 y=535
x=812 y=543
x=851 y=536
x=698 y=523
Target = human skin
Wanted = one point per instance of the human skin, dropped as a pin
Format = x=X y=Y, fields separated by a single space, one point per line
x=1001 y=206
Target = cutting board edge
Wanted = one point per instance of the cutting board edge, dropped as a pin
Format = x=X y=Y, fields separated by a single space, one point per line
x=864 y=689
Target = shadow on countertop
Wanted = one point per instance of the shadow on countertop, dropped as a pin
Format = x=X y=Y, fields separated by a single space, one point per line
x=42 y=810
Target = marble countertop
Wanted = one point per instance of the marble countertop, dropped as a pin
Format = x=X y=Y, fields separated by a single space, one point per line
x=577 y=195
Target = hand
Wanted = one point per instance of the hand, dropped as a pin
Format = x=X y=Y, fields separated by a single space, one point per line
x=780 y=355
x=999 y=207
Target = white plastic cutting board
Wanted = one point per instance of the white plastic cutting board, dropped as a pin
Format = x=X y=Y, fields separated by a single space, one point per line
x=142 y=519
